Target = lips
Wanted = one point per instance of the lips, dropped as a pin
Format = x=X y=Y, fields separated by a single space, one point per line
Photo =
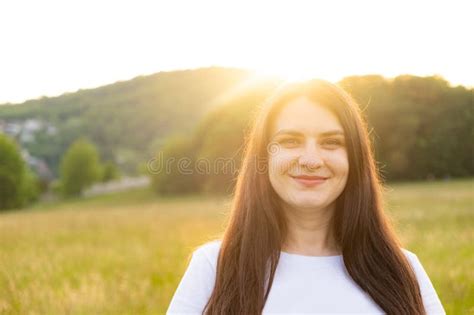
x=309 y=180
x=309 y=177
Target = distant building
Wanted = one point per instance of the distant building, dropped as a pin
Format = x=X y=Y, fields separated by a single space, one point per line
x=32 y=125
x=23 y=132
x=39 y=166
x=10 y=128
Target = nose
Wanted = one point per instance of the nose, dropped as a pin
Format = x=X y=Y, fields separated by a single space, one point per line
x=310 y=156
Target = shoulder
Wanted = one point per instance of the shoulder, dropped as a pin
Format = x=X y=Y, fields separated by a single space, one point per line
x=208 y=251
x=197 y=283
x=414 y=262
x=410 y=255
x=430 y=297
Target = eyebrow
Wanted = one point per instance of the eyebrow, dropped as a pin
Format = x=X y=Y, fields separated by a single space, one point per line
x=298 y=133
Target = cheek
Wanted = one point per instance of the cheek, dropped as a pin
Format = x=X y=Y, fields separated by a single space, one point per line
x=280 y=163
x=340 y=162
x=278 y=166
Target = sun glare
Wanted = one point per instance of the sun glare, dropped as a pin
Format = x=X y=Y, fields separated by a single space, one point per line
x=289 y=73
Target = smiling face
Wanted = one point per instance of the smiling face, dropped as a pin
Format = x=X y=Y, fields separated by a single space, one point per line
x=308 y=162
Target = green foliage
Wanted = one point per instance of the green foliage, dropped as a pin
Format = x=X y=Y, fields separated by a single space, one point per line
x=56 y=187
x=214 y=149
x=18 y=185
x=421 y=127
x=219 y=139
x=109 y=171
x=79 y=168
x=172 y=169
x=31 y=186
x=125 y=116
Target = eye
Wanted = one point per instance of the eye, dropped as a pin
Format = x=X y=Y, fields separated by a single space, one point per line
x=289 y=142
x=333 y=142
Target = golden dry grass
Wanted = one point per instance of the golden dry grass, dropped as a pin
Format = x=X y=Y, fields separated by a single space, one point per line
x=125 y=253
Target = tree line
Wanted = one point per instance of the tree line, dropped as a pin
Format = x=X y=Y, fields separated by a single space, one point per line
x=421 y=128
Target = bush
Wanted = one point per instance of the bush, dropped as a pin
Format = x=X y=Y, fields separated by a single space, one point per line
x=31 y=186
x=167 y=177
x=18 y=185
x=79 y=168
x=110 y=172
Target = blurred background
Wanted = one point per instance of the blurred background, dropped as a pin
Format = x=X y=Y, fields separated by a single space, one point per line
x=114 y=115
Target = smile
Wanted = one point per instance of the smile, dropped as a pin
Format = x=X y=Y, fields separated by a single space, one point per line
x=309 y=181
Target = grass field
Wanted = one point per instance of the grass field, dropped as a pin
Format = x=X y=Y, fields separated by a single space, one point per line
x=125 y=253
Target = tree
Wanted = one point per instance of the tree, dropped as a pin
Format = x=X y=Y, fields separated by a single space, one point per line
x=110 y=171
x=172 y=170
x=18 y=185
x=220 y=139
x=79 y=167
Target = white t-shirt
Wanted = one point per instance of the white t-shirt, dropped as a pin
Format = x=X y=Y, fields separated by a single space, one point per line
x=302 y=284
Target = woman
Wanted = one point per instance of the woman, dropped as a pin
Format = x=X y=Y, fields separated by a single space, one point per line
x=307 y=232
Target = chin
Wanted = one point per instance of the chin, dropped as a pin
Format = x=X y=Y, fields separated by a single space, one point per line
x=307 y=202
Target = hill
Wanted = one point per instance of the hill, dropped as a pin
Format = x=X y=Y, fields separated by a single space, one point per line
x=125 y=119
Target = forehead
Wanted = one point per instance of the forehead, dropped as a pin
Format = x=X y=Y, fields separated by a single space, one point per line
x=305 y=116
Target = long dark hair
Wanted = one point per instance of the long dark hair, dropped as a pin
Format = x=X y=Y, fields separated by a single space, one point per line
x=250 y=248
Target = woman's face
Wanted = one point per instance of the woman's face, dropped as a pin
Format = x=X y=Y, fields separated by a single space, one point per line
x=308 y=163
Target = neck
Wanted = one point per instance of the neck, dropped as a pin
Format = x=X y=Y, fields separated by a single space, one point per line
x=309 y=232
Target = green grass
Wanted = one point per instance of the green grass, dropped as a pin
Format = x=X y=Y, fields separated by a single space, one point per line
x=125 y=253
x=436 y=221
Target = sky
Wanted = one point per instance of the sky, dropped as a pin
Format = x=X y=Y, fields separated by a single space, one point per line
x=52 y=47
